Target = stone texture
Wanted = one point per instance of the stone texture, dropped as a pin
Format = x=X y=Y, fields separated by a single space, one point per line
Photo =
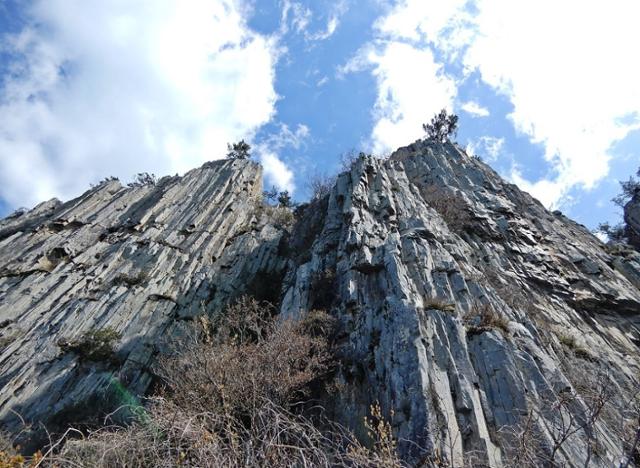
x=632 y=220
x=407 y=253
x=433 y=223
x=141 y=260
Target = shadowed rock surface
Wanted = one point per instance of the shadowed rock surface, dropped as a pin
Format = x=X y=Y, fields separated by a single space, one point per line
x=142 y=261
x=463 y=304
x=632 y=220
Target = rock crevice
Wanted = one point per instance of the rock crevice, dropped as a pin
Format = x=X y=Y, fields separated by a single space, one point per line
x=463 y=305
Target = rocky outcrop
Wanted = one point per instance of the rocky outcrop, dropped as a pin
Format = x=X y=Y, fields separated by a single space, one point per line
x=464 y=307
x=139 y=261
x=632 y=220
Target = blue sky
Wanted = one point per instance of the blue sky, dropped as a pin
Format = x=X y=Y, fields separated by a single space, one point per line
x=546 y=92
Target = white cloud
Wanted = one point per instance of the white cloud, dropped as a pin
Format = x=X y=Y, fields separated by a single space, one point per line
x=487 y=147
x=332 y=25
x=565 y=66
x=286 y=137
x=427 y=21
x=411 y=87
x=276 y=172
x=602 y=236
x=475 y=109
x=100 y=88
x=337 y=10
x=570 y=85
x=545 y=190
x=322 y=81
x=300 y=17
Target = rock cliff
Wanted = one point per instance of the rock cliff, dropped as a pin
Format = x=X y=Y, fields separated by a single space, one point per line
x=632 y=220
x=472 y=314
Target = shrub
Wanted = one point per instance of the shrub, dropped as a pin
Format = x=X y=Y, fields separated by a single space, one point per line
x=270 y=195
x=571 y=342
x=239 y=150
x=323 y=291
x=383 y=454
x=318 y=323
x=142 y=179
x=8 y=456
x=245 y=321
x=622 y=232
x=252 y=359
x=567 y=340
x=630 y=188
x=131 y=280
x=232 y=399
x=106 y=180
x=282 y=217
x=8 y=336
x=277 y=215
x=616 y=233
x=450 y=206
x=482 y=318
x=320 y=186
x=442 y=126
x=95 y=345
x=436 y=303
x=349 y=158
x=284 y=199
x=557 y=419
x=174 y=437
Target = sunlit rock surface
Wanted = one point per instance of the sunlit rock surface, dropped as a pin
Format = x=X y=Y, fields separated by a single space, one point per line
x=463 y=304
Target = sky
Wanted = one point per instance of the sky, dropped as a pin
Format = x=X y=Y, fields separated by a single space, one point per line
x=546 y=90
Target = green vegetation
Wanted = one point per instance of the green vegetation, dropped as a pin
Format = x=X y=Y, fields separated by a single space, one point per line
x=131 y=280
x=442 y=126
x=620 y=232
x=96 y=345
x=436 y=303
x=239 y=150
x=570 y=341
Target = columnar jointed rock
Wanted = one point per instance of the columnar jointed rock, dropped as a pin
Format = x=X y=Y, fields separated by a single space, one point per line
x=138 y=260
x=632 y=220
x=464 y=307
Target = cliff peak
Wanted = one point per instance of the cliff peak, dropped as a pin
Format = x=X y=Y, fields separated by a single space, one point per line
x=464 y=308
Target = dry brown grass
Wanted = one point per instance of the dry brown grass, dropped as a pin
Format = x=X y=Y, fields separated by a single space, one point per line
x=174 y=437
x=482 y=318
x=437 y=303
x=450 y=206
x=232 y=399
x=571 y=342
x=235 y=379
x=384 y=452
x=279 y=216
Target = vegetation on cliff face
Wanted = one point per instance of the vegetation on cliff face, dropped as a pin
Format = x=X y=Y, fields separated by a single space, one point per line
x=237 y=395
x=418 y=311
x=627 y=231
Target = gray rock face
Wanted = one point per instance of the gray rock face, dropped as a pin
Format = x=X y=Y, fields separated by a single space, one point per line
x=632 y=220
x=464 y=307
x=142 y=261
x=455 y=292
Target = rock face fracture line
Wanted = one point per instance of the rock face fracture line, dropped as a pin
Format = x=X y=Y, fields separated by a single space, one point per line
x=463 y=306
